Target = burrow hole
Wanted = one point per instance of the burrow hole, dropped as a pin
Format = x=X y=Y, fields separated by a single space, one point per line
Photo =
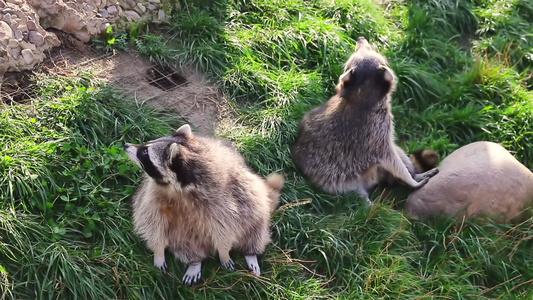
x=165 y=78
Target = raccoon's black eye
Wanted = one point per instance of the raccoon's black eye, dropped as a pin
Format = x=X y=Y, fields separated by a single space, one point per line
x=145 y=151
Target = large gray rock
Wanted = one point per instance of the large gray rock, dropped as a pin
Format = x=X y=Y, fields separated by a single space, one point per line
x=479 y=179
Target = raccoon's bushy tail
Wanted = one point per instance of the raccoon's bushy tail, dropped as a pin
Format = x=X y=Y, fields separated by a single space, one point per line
x=275 y=182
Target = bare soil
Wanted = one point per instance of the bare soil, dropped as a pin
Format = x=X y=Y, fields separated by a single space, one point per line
x=182 y=90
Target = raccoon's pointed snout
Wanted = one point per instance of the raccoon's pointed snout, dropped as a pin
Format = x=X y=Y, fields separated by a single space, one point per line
x=361 y=44
x=126 y=145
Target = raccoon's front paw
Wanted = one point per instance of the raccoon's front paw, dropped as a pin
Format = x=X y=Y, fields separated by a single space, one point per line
x=253 y=265
x=229 y=265
x=193 y=275
x=161 y=264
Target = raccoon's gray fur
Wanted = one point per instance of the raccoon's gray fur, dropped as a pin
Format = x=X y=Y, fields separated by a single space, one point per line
x=197 y=197
x=347 y=143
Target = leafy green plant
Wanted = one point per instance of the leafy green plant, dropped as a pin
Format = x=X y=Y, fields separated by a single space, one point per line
x=111 y=41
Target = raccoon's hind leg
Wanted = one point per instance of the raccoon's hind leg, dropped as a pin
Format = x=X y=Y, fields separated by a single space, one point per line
x=364 y=194
x=225 y=259
x=397 y=168
x=157 y=244
x=159 y=260
x=193 y=275
x=253 y=265
x=192 y=256
x=253 y=244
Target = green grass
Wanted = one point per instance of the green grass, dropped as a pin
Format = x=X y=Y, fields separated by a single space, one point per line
x=464 y=72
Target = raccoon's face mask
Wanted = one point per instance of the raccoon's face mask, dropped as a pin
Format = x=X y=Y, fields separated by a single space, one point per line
x=160 y=158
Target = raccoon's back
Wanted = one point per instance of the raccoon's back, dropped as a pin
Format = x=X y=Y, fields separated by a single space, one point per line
x=339 y=147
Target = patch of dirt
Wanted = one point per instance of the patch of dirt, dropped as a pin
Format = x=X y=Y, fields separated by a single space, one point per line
x=183 y=91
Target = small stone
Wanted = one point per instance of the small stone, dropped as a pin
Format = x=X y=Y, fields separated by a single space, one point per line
x=29 y=46
x=141 y=7
x=131 y=3
x=2 y=4
x=133 y=15
x=18 y=35
x=103 y=13
x=154 y=1
x=14 y=52
x=13 y=43
x=27 y=55
x=7 y=19
x=36 y=38
x=6 y=11
x=103 y=27
x=112 y=10
x=31 y=25
x=160 y=15
x=5 y=31
x=151 y=7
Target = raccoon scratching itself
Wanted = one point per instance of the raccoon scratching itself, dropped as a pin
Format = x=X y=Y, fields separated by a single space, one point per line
x=348 y=142
x=197 y=197
x=418 y=162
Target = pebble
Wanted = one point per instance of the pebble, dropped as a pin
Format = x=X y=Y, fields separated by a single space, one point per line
x=131 y=3
x=141 y=7
x=5 y=30
x=151 y=7
x=13 y=43
x=31 y=25
x=112 y=10
x=36 y=38
x=27 y=55
x=160 y=15
x=103 y=13
x=18 y=34
x=15 y=52
x=7 y=19
x=103 y=27
x=154 y=1
x=29 y=46
x=133 y=15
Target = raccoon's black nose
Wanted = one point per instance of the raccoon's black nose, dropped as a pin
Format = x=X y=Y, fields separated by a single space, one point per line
x=126 y=145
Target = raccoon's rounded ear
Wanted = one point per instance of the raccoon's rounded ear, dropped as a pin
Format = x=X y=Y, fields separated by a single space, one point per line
x=344 y=78
x=184 y=130
x=173 y=150
x=388 y=75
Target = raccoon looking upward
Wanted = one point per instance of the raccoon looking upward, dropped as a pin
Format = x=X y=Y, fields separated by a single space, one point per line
x=347 y=143
x=197 y=197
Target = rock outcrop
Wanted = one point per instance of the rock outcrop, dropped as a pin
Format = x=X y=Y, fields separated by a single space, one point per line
x=23 y=23
x=481 y=179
